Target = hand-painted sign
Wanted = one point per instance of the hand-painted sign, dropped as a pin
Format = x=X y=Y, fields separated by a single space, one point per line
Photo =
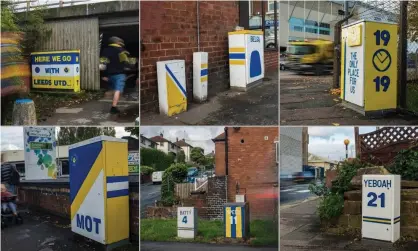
x=56 y=70
x=381 y=207
x=40 y=153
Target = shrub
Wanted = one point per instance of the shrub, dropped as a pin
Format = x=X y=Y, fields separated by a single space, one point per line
x=146 y=170
x=331 y=206
x=405 y=164
x=156 y=159
x=176 y=173
x=345 y=174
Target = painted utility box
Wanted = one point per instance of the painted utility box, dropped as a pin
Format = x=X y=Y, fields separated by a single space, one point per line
x=186 y=222
x=58 y=70
x=200 y=76
x=237 y=220
x=369 y=67
x=172 y=93
x=246 y=58
x=99 y=189
x=381 y=207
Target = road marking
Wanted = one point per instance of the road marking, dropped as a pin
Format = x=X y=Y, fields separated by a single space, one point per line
x=303 y=191
x=288 y=190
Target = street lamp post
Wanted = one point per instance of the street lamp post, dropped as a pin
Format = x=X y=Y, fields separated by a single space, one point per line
x=346 y=143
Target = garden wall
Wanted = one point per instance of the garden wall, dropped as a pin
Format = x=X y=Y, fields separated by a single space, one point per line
x=53 y=197
x=351 y=217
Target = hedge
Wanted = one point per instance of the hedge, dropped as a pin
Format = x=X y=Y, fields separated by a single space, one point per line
x=156 y=159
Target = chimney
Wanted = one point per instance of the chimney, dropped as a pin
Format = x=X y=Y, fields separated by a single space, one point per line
x=177 y=139
x=161 y=134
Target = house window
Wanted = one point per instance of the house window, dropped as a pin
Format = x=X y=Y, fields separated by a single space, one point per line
x=324 y=32
x=311 y=30
x=65 y=169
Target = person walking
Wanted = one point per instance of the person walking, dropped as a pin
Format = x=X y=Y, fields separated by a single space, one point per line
x=114 y=61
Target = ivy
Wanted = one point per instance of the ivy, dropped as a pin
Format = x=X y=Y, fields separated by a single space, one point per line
x=405 y=164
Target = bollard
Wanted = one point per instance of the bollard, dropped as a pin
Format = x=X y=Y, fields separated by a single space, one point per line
x=24 y=112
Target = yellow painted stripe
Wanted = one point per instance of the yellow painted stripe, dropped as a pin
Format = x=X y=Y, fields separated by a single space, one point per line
x=252 y=32
x=236 y=62
x=54 y=52
x=237 y=49
x=228 y=222
x=373 y=220
x=87 y=183
x=204 y=66
x=238 y=222
x=204 y=79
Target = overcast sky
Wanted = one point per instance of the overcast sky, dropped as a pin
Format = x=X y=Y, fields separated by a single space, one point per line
x=328 y=141
x=12 y=137
x=197 y=136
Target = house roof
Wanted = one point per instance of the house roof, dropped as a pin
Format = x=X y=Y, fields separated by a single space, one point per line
x=220 y=137
x=316 y=158
x=159 y=139
x=182 y=143
x=142 y=136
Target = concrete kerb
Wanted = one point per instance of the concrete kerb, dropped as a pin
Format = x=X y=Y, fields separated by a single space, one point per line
x=297 y=203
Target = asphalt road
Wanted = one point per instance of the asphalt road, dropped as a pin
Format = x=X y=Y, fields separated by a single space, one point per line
x=294 y=193
x=175 y=246
x=149 y=194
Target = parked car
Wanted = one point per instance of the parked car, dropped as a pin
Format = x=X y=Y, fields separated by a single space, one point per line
x=192 y=173
x=157 y=177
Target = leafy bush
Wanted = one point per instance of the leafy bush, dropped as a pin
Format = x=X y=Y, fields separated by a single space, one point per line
x=331 y=206
x=319 y=189
x=345 y=174
x=405 y=164
x=181 y=157
x=176 y=173
x=156 y=159
x=146 y=170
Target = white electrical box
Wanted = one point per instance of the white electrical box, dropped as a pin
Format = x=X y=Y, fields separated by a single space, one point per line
x=200 y=76
x=381 y=211
x=186 y=222
x=246 y=58
x=172 y=94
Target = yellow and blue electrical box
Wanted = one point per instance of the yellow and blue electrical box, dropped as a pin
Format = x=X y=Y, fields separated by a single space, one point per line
x=58 y=70
x=172 y=95
x=237 y=220
x=99 y=190
x=246 y=58
x=369 y=67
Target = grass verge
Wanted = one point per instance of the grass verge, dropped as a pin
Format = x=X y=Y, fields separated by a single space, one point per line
x=263 y=233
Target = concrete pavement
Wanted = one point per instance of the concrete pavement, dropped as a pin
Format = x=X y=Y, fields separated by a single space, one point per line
x=300 y=229
x=257 y=106
x=96 y=112
x=178 y=246
x=306 y=100
x=46 y=233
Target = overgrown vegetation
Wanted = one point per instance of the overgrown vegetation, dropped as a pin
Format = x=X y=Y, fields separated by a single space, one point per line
x=146 y=170
x=156 y=159
x=331 y=201
x=181 y=157
x=176 y=173
x=405 y=164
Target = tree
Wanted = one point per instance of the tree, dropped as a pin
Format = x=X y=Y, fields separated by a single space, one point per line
x=176 y=173
x=197 y=156
x=72 y=135
x=413 y=20
x=181 y=157
x=157 y=159
x=133 y=130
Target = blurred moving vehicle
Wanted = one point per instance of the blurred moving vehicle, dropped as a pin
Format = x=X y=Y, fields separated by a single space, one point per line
x=303 y=177
x=283 y=62
x=157 y=177
x=314 y=56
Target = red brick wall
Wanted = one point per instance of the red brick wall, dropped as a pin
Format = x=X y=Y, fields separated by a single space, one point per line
x=252 y=163
x=220 y=158
x=271 y=61
x=169 y=31
x=56 y=201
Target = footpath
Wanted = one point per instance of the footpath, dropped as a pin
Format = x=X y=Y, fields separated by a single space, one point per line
x=300 y=229
x=178 y=246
